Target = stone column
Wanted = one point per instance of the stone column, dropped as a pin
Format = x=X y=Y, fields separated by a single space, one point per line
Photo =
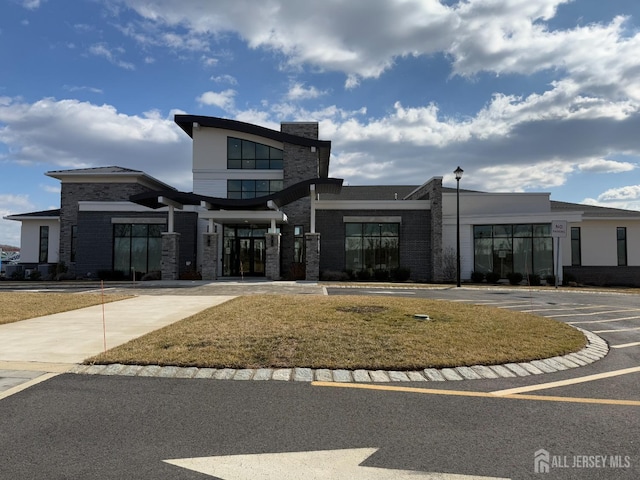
x=312 y=253
x=170 y=256
x=272 y=267
x=210 y=256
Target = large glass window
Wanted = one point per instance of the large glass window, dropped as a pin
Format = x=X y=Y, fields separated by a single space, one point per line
x=244 y=154
x=622 y=245
x=372 y=246
x=523 y=248
x=137 y=247
x=252 y=188
x=43 y=255
x=576 y=248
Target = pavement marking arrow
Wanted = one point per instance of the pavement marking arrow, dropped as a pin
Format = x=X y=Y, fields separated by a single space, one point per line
x=314 y=465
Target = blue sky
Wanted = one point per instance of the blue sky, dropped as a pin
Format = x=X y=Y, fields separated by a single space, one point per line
x=524 y=95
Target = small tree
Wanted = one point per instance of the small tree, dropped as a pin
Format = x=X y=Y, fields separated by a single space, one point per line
x=449 y=268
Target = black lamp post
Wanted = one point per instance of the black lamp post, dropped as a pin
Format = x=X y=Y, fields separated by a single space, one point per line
x=458 y=173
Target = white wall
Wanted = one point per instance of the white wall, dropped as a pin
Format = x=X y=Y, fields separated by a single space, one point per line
x=30 y=240
x=210 y=172
x=479 y=203
x=599 y=243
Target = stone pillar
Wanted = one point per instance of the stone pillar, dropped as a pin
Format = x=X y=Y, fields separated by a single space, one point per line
x=272 y=267
x=312 y=253
x=170 y=256
x=210 y=256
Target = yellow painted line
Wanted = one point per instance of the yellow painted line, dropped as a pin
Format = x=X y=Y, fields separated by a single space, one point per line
x=606 y=321
x=461 y=393
x=625 y=345
x=563 y=383
x=599 y=401
x=618 y=330
x=395 y=388
x=25 y=385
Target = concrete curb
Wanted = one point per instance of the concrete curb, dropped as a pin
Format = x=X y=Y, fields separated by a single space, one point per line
x=596 y=349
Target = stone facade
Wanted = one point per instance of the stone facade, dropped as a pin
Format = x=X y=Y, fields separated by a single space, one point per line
x=210 y=256
x=272 y=267
x=170 y=256
x=312 y=246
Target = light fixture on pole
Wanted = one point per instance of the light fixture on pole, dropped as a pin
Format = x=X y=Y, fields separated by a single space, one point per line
x=458 y=173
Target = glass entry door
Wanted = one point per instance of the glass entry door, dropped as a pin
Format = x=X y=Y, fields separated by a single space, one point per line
x=244 y=250
x=251 y=256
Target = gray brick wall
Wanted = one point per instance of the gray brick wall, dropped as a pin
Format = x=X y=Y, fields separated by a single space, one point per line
x=432 y=191
x=300 y=163
x=415 y=239
x=614 y=275
x=71 y=194
x=94 y=251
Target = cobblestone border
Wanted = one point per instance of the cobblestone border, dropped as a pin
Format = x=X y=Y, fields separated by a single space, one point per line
x=596 y=349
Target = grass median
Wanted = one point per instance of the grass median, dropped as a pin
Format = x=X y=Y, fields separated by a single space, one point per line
x=18 y=306
x=348 y=332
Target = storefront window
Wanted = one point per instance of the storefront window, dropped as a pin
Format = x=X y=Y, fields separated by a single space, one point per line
x=372 y=246
x=522 y=248
x=137 y=247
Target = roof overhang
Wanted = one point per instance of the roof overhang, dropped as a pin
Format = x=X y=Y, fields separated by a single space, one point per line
x=187 y=122
x=244 y=216
x=288 y=195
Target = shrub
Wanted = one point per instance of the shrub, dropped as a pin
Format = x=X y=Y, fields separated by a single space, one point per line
x=155 y=275
x=35 y=275
x=514 y=278
x=550 y=279
x=400 y=274
x=17 y=275
x=363 y=275
x=533 y=279
x=334 y=276
x=477 y=277
x=492 y=277
x=190 y=275
x=381 y=275
x=569 y=278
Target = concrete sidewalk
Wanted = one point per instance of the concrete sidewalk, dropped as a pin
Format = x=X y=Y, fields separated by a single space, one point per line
x=71 y=337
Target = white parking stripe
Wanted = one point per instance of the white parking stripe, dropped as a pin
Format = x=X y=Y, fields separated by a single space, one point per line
x=596 y=313
x=606 y=321
x=619 y=330
x=570 y=308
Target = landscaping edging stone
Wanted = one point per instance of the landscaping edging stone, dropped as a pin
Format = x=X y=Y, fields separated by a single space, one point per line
x=596 y=349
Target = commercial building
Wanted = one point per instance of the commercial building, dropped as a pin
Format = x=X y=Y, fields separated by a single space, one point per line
x=263 y=204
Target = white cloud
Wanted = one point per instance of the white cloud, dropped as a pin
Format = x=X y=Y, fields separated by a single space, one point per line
x=230 y=79
x=630 y=192
x=223 y=100
x=62 y=134
x=601 y=165
x=102 y=50
x=297 y=91
x=75 y=88
x=31 y=4
x=363 y=39
x=12 y=205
